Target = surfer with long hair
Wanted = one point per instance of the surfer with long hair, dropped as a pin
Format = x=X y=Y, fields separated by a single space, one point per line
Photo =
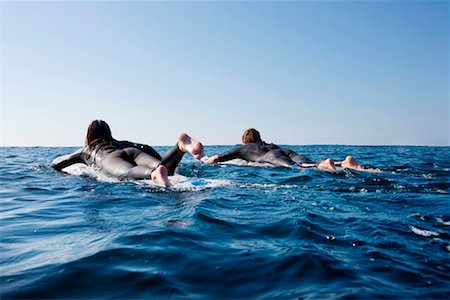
x=128 y=160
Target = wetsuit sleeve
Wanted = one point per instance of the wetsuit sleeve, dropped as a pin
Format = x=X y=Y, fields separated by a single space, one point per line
x=232 y=154
x=144 y=148
x=70 y=160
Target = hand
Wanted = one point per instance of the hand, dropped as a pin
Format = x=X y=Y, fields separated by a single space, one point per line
x=210 y=160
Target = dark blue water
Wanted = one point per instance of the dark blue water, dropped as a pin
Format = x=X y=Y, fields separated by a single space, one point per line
x=269 y=233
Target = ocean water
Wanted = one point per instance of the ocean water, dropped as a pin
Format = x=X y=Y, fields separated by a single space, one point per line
x=250 y=232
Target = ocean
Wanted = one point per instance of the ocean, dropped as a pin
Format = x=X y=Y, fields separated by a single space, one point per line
x=250 y=232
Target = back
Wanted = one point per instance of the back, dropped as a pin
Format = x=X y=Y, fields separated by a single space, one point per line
x=252 y=152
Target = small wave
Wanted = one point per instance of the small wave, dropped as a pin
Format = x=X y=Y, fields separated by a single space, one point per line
x=418 y=216
x=423 y=232
x=183 y=183
x=358 y=190
x=441 y=191
x=442 y=222
x=268 y=186
x=180 y=182
x=39 y=168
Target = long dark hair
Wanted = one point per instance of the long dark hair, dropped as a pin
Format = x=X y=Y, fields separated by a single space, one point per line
x=98 y=132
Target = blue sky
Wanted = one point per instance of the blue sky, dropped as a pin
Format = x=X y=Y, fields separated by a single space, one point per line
x=356 y=72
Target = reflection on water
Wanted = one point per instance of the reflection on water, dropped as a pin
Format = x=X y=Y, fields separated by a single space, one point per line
x=229 y=231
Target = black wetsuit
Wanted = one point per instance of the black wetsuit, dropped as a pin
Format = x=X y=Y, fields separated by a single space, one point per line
x=124 y=159
x=265 y=153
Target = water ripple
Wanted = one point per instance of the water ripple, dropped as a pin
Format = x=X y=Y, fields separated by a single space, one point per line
x=242 y=232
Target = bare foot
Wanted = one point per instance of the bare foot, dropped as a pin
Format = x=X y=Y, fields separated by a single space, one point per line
x=160 y=175
x=350 y=163
x=327 y=164
x=188 y=144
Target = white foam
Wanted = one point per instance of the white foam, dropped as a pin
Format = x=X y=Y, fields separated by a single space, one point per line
x=82 y=169
x=241 y=162
x=422 y=232
x=179 y=182
x=440 y=220
x=183 y=183
x=268 y=185
x=441 y=191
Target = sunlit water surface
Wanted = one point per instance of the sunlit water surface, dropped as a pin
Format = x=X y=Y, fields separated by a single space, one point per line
x=229 y=231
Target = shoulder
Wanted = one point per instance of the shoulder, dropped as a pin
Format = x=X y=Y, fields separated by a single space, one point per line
x=122 y=143
x=271 y=145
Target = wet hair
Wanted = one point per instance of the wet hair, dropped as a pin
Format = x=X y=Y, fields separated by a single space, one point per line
x=98 y=132
x=251 y=135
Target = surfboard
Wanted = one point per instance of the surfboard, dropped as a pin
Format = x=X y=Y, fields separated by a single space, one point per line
x=179 y=182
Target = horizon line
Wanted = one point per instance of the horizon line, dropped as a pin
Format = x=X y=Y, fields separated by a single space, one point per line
x=222 y=145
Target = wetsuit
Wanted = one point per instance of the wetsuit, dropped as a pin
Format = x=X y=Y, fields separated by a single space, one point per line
x=265 y=153
x=124 y=159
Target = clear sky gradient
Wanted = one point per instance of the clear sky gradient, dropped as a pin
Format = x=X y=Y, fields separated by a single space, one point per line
x=356 y=72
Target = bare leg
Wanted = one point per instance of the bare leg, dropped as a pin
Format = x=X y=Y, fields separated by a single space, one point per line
x=350 y=163
x=160 y=175
x=137 y=173
x=188 y=144
x=146 y=167
x=327 y=164
x=184 y=144
x=172 y=158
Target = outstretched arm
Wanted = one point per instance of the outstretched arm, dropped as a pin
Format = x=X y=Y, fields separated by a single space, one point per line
x=66 y=161
x=232 y=154
x=210 y=160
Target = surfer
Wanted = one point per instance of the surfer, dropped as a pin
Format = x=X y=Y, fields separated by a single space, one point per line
x=256 y=150
x=128 y=160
